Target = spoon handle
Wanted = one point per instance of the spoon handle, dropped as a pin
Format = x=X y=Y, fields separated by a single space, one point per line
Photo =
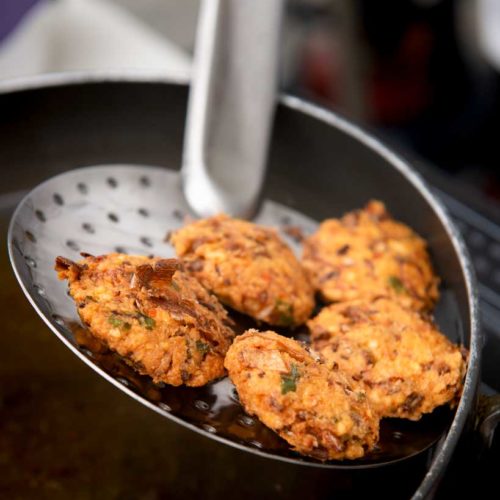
x=231 y=105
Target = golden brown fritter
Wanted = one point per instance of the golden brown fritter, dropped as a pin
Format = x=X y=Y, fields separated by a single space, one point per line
x=148 y=310
x=405 y=365
x=367 y=254
x=248 y=267
x=307 y=404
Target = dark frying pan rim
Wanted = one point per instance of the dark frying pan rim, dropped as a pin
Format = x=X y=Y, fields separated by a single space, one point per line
x=446 y=448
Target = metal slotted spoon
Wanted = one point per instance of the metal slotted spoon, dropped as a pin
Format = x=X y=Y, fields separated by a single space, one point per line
x=130 y=208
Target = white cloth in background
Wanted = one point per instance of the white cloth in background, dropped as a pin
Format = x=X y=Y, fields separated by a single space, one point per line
x=88 y=35
x=488 y=30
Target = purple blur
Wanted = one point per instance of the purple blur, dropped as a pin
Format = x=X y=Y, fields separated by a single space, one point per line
x=11 y=12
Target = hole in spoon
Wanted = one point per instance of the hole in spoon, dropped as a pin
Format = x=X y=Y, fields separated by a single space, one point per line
x=178 y=214
x=82 y=187
x=89 y=228
x=123 y=381
x=73 y=245
x=30 y=261
x=57 y=319
x=40 y=216
x=112 y=182
x=245 y=420
x=145 y=181
x=201 y=405
x=113 y=217
x=164 y=406
x=146 y=241
x=58 y=199
x=235 y=396
x=87 y=352
x=30 y=236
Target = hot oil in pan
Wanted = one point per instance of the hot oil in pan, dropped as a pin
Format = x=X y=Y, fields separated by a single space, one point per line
x=216 y=409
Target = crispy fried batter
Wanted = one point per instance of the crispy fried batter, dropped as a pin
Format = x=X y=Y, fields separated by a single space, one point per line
x=308 y=405
x=161 y=320
x=367 y=254
x=248 y=267
x=405 y=365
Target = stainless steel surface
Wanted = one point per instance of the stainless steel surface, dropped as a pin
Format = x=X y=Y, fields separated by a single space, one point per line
x=231 y=105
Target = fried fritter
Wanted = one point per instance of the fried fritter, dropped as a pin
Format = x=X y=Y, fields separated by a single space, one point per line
x=148 y=310
x=248 y=267
x=307 y=404
x=367 y=254
x=405 y=365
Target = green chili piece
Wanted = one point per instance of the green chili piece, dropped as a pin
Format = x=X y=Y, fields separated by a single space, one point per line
x=396 y=284
x=285 y=312
x=289 y=381
x=146 y=321
x=115 y=321
x=202 y=347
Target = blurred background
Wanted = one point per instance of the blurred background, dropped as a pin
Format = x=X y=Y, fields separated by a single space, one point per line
x=421 y=74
